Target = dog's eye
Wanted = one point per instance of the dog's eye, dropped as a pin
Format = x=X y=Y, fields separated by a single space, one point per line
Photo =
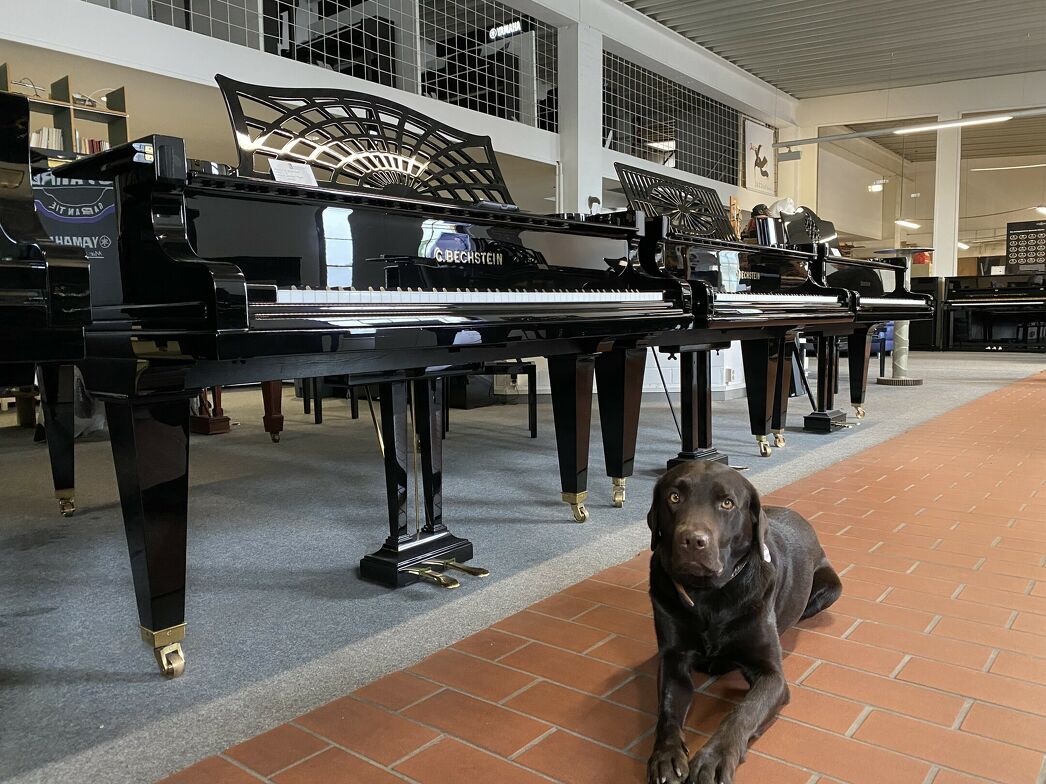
x=726 y=503
x=673 y=498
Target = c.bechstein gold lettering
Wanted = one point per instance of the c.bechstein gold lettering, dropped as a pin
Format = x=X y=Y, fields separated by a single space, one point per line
x=468 y=257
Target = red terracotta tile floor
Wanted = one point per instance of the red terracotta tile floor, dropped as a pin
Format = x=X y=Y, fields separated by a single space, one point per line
x=931 y=668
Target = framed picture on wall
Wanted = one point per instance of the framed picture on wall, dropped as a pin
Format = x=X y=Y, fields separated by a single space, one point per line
x=760 y=158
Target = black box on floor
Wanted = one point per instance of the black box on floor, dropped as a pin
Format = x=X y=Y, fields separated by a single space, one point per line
x=470 y=391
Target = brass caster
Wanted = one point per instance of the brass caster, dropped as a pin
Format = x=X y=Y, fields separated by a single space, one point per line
x=171 y=659
x=619 y=492
x=450 y=563
x=275 y=437
x=577 y=505
x=859 y=410
x=779 y=438
x=764 y=446
x=434 y=577
x=66 y=506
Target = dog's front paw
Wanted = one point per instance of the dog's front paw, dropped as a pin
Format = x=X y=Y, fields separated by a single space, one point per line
x=668 y=765
x=715 y=763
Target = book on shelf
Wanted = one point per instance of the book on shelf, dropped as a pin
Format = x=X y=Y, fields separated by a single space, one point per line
x=90 y=146
x=48 y=139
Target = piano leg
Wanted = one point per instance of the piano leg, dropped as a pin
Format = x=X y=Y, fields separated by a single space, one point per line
x=56 y=399
x=858 y=356
x=150 y=440
x=619 y=379
x=825 y=419
x=570 y=377
x=272 y=400
x=782 y=389
x=411 y=552
x=761 y=359
x=696 y=409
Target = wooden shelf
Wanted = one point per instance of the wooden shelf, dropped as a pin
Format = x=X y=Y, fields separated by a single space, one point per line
x=65 y=112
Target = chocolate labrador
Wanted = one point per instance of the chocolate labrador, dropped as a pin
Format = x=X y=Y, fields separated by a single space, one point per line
x=727 y=576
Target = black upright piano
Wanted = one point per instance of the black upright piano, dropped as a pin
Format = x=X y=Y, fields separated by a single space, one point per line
x=996 y=312
x=44 y=298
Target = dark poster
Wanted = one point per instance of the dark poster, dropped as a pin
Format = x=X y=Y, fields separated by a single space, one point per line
x=1025 y=247
x=83 y=213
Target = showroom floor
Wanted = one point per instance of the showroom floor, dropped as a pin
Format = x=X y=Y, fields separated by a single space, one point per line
x=279 y=625
x=930 y=668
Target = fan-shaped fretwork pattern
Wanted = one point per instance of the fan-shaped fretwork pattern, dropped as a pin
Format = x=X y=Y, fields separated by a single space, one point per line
x=691 y=209
x=361 y=141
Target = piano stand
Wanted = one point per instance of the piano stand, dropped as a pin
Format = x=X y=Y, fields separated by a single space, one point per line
x=56 y=400
x=570 y=378
x=211 y=421
x=826 y=418
x=619 y=379
x=858 y=358
x=150 y=441
x=412 y=555
x=696 y=409
x=272 y=400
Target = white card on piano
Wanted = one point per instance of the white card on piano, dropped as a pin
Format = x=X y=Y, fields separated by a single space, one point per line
x=292 y=172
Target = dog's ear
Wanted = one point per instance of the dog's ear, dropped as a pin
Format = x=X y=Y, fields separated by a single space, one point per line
x=653 y=520
x=760 y=524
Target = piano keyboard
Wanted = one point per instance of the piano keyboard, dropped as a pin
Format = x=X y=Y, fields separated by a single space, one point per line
x=980 y=303
x=307 y=296
x=742 y=298
x=890 y=302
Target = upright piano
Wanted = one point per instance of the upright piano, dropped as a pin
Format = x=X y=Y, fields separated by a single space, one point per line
x=996 y=312
x=406 y=261
x=45 y=298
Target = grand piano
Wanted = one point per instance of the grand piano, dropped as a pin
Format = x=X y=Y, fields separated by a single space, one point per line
x=759 y=294
x=44 y=298
x=406 y=261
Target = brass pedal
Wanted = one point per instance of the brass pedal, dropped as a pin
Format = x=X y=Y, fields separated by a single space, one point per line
x=430 y=576
x=450 y=563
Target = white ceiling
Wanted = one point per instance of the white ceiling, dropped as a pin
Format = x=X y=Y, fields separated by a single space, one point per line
x=809 y=48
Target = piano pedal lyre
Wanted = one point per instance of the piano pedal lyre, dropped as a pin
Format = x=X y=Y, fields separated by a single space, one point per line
x=577 y=505
x=167 y=648
x=859 y=411
x=764 y=446
x=779 y=438
x=619 y=491
x=429 y=575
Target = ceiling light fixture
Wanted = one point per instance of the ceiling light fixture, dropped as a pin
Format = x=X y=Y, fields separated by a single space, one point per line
x=908 y=224
x=668 y=145
x=962 y=245
x=1041 y=209
x=1000 y=118
x=1010 y=168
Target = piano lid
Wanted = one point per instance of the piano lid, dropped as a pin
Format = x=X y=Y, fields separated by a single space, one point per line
x=690 y=209
x=359 y=141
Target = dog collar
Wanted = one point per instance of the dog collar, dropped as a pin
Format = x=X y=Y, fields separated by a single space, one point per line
x=737 y=570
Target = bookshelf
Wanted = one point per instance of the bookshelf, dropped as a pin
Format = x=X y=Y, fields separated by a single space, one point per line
x=64 y=121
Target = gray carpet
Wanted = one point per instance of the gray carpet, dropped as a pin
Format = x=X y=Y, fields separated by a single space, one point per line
x=278 y=620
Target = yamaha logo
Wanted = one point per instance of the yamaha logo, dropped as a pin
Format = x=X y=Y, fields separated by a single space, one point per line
x=505 y=30
x=468 y=257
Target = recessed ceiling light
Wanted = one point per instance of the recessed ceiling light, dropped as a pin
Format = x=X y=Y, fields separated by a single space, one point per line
x=908 y=224
x=962 y=245
x=1041 y=209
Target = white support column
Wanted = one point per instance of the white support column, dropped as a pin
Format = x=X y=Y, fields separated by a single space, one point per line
x=946 y=202
x=580 y=116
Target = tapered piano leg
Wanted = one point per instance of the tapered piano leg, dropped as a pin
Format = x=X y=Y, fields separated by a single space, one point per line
x=272 y=400
x=619 y=379
x=696 y=409
x=782 y=389
x=150 y=440
x=56 y=399
x=826 y=418
x=858 y=357
x=761 y=360
x=570 y=378
x=417 y=536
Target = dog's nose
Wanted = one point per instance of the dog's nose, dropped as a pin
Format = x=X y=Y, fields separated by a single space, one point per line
x=695 y=541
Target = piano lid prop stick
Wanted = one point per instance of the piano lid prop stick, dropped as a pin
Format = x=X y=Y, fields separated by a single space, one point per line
x=374 y=419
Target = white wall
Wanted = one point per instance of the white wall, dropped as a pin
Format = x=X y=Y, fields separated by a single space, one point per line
x=843 y=196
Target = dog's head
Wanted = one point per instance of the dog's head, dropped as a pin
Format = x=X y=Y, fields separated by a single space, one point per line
x=705 y=518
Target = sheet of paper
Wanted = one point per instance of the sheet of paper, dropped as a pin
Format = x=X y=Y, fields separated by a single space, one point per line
x=998 y=270
x=292 y=173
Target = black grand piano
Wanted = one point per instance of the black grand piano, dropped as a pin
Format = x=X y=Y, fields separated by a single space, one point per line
x=759 y=294
x=406 y=261
x=996 y=312
x=44 y=298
